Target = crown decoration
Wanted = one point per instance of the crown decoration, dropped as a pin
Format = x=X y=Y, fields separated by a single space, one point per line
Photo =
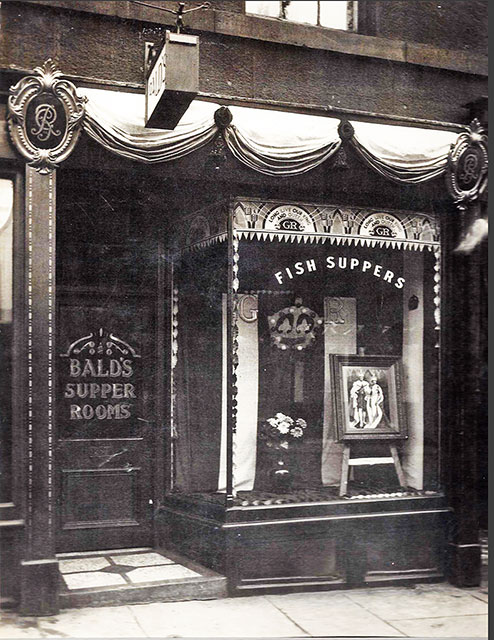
x=294 y=327
x=101 y=344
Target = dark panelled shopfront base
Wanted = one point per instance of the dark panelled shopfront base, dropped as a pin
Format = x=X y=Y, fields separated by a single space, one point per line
x=351 y=542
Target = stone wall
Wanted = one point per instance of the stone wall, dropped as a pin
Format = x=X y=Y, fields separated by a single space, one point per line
x=450 y=24
x=109 y=49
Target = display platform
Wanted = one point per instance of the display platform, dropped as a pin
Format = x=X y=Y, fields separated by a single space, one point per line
x=310 y=538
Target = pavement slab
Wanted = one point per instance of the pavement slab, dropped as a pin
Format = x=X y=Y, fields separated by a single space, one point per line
x=13 y=626
x=418 y=602
x=422 y=611
x=331 y=614
x=104 y=622
x=450 y=627
x=230 y=618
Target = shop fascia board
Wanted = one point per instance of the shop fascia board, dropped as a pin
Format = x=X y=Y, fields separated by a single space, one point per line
x=289 y=33
x=16 y=73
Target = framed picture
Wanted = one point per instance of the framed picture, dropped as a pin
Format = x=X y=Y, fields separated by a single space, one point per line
x=368 y=397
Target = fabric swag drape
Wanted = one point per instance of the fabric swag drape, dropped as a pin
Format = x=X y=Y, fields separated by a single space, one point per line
x=270 y=142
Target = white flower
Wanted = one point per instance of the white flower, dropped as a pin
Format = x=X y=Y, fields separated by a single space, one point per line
x=284 y=444
x=272 y=422
x=297 y=432
x=280 y=416
x=284 y=427
x=301 y=423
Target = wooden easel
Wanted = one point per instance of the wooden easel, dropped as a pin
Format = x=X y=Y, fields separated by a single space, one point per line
x=348 y=462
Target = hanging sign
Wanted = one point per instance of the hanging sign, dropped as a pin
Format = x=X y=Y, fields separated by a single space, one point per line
x=172 y=81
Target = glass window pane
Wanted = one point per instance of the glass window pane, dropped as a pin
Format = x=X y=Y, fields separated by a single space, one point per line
x=6 y=269
x=333 y=13
x=302 y=11
x=269 y=8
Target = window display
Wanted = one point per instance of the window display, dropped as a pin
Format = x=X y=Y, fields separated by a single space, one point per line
x=320 y=347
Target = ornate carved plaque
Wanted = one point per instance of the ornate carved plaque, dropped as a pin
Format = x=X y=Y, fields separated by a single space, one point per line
x=45 y=116
x=467 y=164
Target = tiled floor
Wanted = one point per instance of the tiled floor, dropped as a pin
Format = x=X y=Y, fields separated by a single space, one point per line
x=116 y=568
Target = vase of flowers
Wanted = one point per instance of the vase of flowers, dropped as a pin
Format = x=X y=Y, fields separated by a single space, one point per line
x=277 y=435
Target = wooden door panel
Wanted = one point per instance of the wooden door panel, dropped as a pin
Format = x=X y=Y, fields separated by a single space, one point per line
x=105 y=422
x=90 y=498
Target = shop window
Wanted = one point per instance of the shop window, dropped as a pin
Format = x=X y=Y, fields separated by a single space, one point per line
x=6 y=335
x=325 y=345
x=335 y=14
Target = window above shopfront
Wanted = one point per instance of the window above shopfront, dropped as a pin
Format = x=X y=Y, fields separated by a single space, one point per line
x=335 y=14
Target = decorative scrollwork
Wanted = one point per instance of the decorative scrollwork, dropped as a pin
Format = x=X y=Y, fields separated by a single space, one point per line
x=45 y=115
x=466 y=175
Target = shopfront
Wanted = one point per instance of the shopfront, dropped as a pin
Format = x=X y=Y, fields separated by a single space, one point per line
x=238 y=340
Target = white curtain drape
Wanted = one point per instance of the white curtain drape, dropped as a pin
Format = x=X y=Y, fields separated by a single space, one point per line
x=403 y=154
x=270 y=142
x=279 y=143
x=116 y=121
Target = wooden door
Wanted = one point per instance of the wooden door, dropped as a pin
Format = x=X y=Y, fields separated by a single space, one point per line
x=106 y=421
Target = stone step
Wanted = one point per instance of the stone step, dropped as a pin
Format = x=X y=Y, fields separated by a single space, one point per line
x=132 y=576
